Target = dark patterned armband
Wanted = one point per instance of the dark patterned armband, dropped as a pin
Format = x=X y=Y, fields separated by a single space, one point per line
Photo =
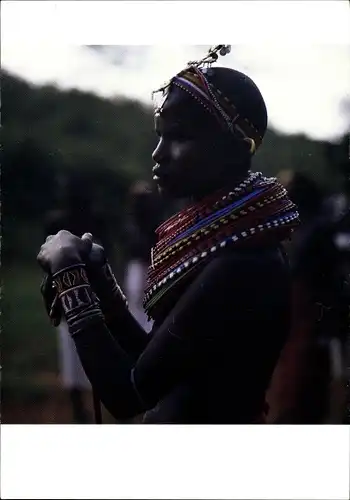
x=113 y=286
x=104 y=283
x=79 y=302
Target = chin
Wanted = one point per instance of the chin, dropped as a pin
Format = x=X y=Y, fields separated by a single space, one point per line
x=173 y=192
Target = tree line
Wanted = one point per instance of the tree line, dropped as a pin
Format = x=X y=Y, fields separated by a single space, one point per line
x=57 y=143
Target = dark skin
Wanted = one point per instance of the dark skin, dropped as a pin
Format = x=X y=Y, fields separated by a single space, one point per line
x=195 y=154
x=209 y=358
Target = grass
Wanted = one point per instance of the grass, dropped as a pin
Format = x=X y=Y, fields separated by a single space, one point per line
x=31 y=392
x=29 y=342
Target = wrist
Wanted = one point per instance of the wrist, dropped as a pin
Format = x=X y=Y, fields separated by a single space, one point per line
x=79 y=302
x=65 y=262
x=115 y=291
x=72 y=285
x=106 y=287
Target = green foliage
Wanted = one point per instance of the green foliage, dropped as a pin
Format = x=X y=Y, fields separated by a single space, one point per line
x=28 y=339
x=53 y=138
x=300 y=154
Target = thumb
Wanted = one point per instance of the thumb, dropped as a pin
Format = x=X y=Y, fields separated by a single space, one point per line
x=87 y=236
x=87 y=240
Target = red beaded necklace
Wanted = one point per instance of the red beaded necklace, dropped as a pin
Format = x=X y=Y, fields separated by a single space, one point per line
x=249 y=214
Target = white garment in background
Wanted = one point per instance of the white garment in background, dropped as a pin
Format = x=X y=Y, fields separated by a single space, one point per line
x=135 y=283
x=71 y=371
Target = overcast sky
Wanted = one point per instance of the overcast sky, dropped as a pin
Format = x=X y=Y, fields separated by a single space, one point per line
x=298 y=55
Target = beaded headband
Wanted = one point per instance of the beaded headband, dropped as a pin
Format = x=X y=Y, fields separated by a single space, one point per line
x=193 y=80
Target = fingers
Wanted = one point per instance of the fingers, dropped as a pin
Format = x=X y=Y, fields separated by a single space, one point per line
x=53 y=307
x=87 y=236
x=50 y=296
x=41 y=260
x=46 y=285
x=42 y=253
x=63 y=232
x=56 y=321
x=87 y=240
x=57 y=246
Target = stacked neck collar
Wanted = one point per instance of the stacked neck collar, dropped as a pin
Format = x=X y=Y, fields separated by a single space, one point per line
x=256 y=211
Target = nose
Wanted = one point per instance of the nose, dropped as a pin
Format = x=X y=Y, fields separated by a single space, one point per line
x=161 y=152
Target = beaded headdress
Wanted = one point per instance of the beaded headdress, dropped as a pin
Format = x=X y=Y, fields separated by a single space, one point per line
x=194 y=80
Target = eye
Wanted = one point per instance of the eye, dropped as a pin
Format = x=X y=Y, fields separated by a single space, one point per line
x=180 y=135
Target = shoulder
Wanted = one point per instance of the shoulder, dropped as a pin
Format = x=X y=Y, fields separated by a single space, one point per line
x=242 y=275
x=245 y=263
x=232 y=287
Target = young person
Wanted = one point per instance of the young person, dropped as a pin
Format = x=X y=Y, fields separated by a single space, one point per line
x=218 y=283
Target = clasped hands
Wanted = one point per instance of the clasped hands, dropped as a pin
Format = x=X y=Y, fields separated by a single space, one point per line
x=64 y=250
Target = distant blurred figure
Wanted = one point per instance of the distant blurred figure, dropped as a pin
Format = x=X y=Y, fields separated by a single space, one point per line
x=144 y=214
x=338 y=317
x=76 y=217
x=299 y=391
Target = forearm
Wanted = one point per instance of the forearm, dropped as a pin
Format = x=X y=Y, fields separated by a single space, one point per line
x=129 y=334
x=122 y=325
x=106 y=364
x=109 y=370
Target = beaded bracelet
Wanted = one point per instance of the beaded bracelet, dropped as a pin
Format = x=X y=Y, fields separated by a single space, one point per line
x=79 y=302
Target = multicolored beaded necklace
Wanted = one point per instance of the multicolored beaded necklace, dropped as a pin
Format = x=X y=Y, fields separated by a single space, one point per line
x=256 y=211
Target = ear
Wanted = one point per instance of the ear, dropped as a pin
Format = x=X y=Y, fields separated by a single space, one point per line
x=251 y=143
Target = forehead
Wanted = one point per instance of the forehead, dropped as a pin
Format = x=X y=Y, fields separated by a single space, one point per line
x=181 y=109
x=174 y=100
x=174 y=105
x=172 y=112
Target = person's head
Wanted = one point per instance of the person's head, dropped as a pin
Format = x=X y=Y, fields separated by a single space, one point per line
x=306 y=194
x=210 y=124
x=143 y=205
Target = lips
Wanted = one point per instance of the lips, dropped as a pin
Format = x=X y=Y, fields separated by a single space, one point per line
x=158 y=174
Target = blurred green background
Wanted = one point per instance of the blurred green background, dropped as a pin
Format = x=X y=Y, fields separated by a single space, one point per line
x=52 y=138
